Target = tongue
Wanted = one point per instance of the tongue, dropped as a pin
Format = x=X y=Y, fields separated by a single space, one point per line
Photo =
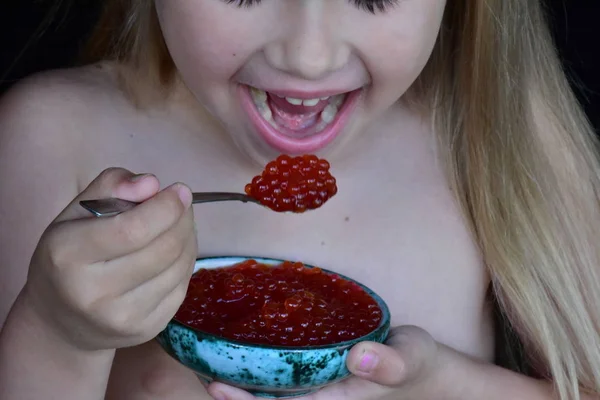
x=294 y=117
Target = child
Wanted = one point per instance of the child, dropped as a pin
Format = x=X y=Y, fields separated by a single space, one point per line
x=467 y=175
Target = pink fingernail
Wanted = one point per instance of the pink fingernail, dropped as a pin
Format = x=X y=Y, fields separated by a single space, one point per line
x=368 y=362
x=185 y=195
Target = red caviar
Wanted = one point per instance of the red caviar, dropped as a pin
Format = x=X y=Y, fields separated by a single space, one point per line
x=294 y=184
x=284 y=305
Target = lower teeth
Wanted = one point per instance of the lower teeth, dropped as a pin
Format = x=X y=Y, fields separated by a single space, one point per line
x=327 y=116
x=329 y=113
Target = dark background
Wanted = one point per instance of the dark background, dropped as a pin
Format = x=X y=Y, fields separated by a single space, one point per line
x=575 y=24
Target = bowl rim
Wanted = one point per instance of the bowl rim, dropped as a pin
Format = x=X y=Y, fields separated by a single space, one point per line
x=384 y=324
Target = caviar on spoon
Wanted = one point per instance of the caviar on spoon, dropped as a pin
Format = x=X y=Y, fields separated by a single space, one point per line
x=287 y=184
x=293 y=184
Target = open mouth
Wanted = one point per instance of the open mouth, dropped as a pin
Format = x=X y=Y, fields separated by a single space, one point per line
x=298 y=125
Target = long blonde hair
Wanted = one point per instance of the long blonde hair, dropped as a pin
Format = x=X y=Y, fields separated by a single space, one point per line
x=520 y=155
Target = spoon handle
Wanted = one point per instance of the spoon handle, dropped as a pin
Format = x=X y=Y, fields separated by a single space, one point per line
x=112 y=206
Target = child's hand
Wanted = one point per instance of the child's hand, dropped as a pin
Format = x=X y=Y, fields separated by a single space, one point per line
x=103 y=283
x=411 y=366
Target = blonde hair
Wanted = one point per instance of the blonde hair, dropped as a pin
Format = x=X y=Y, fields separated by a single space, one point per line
x=521 y=158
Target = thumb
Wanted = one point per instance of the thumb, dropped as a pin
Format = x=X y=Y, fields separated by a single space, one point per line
x=408 y=354
x=112 y=182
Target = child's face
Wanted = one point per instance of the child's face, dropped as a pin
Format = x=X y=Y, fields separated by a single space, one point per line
x=346 y=64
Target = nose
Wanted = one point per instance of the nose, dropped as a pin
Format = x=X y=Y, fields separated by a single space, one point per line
x=308 y=46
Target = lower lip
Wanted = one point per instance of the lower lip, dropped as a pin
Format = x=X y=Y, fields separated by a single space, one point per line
x=289 y=145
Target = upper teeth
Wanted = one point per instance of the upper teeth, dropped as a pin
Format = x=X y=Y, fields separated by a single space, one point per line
x=338 y=100
x=294 y=101
x=310 y=102
x=259 y=95
x=327 y=115
x=304 y=102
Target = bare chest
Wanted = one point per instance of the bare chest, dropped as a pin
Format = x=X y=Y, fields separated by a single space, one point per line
x=393 y=225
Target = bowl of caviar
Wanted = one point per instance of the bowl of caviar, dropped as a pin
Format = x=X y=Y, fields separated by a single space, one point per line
x=275 y=328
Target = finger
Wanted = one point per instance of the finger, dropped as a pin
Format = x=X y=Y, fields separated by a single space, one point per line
x=408 y=354
x=86 y=241
x=352 y=388
x=164 y=311
x=137 y=268
x=112 y=182
x=221 y=391
x=147 y=297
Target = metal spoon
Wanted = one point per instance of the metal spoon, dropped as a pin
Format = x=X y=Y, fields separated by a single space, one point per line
x=113 y=206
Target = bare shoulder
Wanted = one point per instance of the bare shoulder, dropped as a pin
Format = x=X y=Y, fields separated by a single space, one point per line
x=48 y=120
x=55 y=104
x=44 y=123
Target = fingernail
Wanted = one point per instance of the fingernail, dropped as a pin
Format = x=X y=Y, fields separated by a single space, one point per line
x=138 y=177
x=185 y=195
x=368 y=362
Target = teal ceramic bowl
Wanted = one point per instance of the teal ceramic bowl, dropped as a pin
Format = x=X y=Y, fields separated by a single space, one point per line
x=264 y=371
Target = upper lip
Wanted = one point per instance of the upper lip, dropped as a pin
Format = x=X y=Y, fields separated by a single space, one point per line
x=304 y=94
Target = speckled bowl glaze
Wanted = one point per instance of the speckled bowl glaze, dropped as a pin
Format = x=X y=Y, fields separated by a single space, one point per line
x=264 y=371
